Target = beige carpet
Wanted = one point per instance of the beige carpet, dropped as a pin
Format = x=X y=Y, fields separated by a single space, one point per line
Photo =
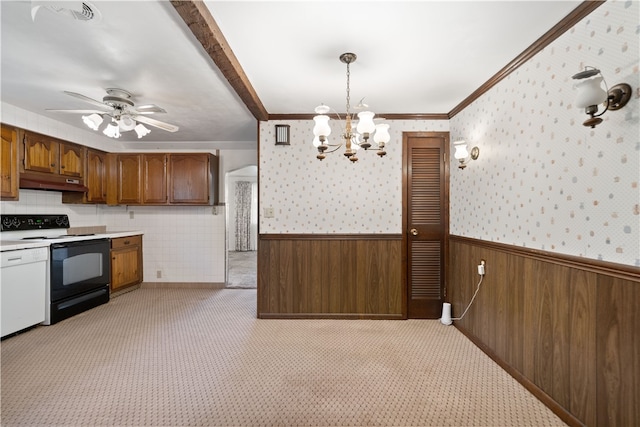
x=196 y=357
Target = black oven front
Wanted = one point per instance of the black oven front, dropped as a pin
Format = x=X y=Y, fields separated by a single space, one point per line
x=79 y=277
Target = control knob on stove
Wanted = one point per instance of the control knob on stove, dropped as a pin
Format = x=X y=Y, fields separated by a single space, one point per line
x=9 y=222
x=62 y=221
x=6 y=222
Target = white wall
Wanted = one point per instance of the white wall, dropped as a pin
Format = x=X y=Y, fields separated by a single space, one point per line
x=232 y=160
x=543 y=180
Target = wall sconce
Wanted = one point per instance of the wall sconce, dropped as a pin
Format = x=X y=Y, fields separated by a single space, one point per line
x=282 y=135
x=591 y=93
x=462 y=153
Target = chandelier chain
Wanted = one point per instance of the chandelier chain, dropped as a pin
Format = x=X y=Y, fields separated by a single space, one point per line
x=348 y=90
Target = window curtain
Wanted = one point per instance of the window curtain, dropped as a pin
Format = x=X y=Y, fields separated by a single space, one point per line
x=254 y=217
x=243 y=216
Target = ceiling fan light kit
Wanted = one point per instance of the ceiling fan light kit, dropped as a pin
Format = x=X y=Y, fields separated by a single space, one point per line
x=112 y=130
x=93 y=121
x=121 y=114
x=352 y=140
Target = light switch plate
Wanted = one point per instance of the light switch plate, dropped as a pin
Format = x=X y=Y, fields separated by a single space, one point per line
x=268 y=212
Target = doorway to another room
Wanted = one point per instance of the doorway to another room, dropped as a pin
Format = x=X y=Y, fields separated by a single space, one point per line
x=242 y=227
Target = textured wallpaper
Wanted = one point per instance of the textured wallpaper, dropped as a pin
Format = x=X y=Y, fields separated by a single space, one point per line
x=333 y=195
x=543 y=180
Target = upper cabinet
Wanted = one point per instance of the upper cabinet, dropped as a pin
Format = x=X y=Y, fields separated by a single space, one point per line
x=52 y=156
x=95 y=179
x=40 y=153
x=86 y=175
x=163 y=179
x=127 y=180
x=48 y=163
x=96 y=176
x=9 y=163
x=71 y=158
x=192 y=179
x=154 y=179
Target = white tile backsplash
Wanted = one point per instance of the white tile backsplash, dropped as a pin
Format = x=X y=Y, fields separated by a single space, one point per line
x=187 y=244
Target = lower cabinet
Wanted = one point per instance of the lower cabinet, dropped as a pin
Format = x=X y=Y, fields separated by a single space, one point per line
x=126 y=262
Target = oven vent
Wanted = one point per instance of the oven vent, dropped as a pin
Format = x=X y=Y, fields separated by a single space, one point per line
x=77 y=10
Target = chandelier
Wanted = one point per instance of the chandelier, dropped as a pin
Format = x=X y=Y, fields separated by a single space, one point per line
x=365 y=129
x=118 y=123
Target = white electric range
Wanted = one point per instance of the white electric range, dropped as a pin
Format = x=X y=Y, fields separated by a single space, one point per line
x=77 y=273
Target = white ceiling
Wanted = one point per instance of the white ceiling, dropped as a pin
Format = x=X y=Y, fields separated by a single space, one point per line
x=415 y=57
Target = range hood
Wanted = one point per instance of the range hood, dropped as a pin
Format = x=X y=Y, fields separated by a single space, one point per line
x=39 y=183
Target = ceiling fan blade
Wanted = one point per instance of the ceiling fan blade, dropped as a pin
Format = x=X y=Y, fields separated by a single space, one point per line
x=149 y=109
x=89 y=100
x=76 y=111
x=156 y=123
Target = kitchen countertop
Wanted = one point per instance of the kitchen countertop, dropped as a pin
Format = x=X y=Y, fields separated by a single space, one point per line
x=12 y=245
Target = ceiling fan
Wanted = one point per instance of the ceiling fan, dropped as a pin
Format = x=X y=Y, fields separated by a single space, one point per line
x=122 y=113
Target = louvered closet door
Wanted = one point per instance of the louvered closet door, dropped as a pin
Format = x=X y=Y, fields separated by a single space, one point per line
x=426 y=223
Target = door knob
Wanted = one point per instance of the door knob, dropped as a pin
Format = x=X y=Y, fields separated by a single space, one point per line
x=413 y=232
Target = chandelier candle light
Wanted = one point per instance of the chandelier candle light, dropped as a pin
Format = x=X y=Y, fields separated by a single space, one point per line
x=352 y=141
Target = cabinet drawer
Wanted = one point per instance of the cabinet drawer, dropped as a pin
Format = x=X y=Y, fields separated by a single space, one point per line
x=125 y=242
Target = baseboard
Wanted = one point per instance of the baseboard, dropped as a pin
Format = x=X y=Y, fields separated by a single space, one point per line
x=182 y=285
x=543 y=397
x=341 y=316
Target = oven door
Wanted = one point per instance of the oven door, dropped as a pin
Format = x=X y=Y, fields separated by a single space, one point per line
x=79 y=267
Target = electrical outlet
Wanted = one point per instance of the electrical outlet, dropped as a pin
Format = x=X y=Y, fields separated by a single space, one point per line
x=159 y=274
x=130 y=214
x=481 y=267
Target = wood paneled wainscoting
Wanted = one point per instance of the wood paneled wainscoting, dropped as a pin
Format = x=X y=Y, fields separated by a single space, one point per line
x=330 y=276
x=568 y=328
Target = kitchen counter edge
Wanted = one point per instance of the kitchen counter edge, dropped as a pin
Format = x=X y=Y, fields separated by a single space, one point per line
x=13 y=245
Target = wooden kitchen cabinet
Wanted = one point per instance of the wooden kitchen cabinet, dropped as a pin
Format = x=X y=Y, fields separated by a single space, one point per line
x=52 y=156
x=154 y=178
x=95 y=178
x=9 y=163
x=163 y=179
x=128 y=179
x=40 y=153
x=126 y=262
x=71 y=159
x=191 y=178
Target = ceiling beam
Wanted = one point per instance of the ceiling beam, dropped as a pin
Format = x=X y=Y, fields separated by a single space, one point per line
x=199 y=20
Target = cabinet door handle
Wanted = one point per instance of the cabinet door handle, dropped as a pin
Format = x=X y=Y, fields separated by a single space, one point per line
x=414 y=232
x=126 y=242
